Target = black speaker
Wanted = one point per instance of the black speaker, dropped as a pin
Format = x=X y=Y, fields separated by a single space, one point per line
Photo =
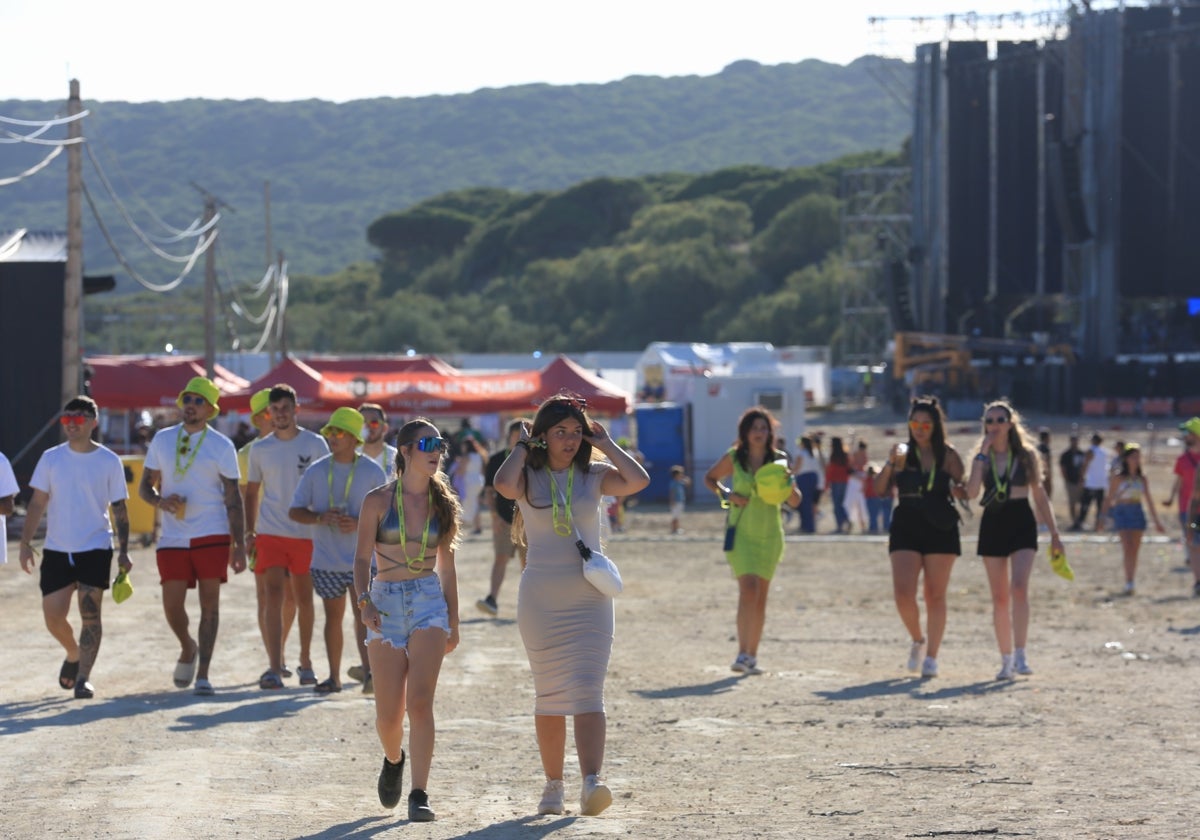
x=1065 y=181
x=899 y=292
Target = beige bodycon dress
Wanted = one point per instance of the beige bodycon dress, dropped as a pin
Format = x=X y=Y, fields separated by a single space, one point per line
x=565 y=623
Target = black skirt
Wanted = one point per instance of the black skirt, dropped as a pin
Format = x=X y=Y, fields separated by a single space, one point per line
x=1007 y=529
x=911 y=531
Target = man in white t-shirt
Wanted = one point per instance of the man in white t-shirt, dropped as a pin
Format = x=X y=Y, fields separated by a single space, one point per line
x=260 y=418
x=75 y=484
x=8 y=496
x=1095 y=481
x=281 y=545
x=329 y=498
x=375 y=429
x=191 y=475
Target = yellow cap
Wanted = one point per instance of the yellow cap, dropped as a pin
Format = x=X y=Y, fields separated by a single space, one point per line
x=260 y=401
x=204 y=387
x=772 y=483
x=348 y=420
x=1192 y=425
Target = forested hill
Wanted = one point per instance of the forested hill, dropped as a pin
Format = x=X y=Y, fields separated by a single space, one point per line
x=335 y=168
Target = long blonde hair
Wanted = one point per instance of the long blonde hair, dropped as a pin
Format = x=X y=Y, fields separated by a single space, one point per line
x=1020 y=440
x=445 y=501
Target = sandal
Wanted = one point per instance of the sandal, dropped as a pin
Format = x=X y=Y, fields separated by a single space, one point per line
x=67 y=674
x=307 y=675
x=269 y=681
x=327 y=687
x=84 y=690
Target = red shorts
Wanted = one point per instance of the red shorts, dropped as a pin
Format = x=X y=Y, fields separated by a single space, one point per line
x=289 y=553
x=205 y=558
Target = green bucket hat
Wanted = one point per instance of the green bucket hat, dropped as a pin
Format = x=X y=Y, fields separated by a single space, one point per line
x=260 y=401
x=348 y=420
x=204 y=387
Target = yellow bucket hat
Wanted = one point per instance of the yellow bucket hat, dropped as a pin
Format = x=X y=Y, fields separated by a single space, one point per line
x=260 y=401
x=348 y=420
x=204 y=387
x=122 y=588
x=773 y=483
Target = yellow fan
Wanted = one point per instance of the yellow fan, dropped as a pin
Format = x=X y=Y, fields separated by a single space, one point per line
x=1059 y=564
x=122 y=588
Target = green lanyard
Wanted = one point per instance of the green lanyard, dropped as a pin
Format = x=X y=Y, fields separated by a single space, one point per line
x=344 y=507
x=412 y=563
x=181 y=471
x=932 y=472
x=562 y=527
x=1001 y=488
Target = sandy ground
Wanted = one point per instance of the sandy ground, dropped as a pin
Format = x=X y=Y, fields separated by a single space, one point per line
x=835 y=740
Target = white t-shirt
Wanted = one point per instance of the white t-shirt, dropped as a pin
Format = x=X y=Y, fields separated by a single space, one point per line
x=333 y=551
x=81 y=486
x=193 y=469
x=277 y=465
x=386 y=461
x=1097 y=471
x=8 y=487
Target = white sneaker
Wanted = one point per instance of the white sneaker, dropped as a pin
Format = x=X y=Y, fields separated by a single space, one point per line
x=1020 y=665
x=552 y=798
x=595 y=796
x=929 y=667
x=1007 y=671
x=915 y=654
x=752 y=668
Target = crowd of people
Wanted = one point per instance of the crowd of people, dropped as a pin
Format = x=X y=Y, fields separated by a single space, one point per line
x=356 y=519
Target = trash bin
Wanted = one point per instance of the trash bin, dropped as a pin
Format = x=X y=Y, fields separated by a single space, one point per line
x=141 y=514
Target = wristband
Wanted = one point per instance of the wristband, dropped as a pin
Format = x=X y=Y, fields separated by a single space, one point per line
x=364 y=598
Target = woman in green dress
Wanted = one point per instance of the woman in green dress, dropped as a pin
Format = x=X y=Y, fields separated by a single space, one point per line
x=755 y=546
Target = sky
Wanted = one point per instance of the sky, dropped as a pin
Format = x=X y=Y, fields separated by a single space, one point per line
x=163 y=50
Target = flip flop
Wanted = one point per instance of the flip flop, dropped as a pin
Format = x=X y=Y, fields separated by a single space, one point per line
x=203 y=688
x=327 y=687
x=68 y=672
x=185 y=672
x=270 y=681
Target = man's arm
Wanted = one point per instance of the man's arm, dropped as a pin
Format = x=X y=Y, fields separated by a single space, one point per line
x=33 y=515
x=6 y=505
x=235 y=510
x=120 y=513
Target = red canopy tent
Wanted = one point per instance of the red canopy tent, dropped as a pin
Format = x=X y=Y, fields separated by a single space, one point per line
x=134 y=382
x=422 y=385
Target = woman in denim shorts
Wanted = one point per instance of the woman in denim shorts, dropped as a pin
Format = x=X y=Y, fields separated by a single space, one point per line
x=1127 y=489
x=411 y=527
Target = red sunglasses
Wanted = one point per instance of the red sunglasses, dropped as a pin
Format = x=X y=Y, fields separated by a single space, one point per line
x=74 y=419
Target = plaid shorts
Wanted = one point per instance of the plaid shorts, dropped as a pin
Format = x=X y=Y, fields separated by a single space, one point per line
x=331 y=585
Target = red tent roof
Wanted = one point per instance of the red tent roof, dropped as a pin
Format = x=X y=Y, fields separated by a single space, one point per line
x=427 y=385
x=135 y=382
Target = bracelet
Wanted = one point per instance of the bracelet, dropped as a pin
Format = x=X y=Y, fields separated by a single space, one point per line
x=364 y=598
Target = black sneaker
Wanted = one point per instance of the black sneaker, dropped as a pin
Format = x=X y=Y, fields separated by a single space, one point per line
x=390 y=782
x=418 y=807
x=487 y=606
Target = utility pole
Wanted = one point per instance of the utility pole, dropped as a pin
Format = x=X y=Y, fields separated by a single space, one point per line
x=211 y=203
x=73 y=279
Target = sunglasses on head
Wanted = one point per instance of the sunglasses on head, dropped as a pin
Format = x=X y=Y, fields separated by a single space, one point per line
x=990 y=420
x=432 y=443
x=920 y=425
x=566 y=405
x=74 y=419
x=193 y=399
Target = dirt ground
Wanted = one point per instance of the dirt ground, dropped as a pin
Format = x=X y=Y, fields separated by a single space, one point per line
x=834 y=740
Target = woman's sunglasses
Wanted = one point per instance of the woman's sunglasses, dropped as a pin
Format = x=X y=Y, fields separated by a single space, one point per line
x=567 y=405
x=74 y=419
x=920 y=425
x=430 y=444
x=993 y=420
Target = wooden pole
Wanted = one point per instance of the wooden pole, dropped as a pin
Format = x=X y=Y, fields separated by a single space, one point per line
x=73 y=278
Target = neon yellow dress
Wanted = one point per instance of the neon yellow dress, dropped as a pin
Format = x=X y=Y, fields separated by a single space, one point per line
x=758 y=536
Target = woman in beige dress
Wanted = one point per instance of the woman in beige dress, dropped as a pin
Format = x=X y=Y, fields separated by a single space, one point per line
x=565 y=623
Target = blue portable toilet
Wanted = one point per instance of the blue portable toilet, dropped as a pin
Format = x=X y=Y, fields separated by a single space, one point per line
x=664 y=438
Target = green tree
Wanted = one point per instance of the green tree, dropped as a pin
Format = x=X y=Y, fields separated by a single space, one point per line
x=801 y=234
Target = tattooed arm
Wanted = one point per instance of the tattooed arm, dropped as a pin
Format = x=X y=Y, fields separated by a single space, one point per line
x=120 y=513
x=237 y=524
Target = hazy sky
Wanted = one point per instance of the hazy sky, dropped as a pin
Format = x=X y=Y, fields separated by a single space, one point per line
x=144 y=50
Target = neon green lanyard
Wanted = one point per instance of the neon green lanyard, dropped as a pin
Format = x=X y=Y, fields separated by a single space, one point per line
x=413 y=562
x=344 y=506
x=181 y=471
x=562 y=527
x=1001 y=488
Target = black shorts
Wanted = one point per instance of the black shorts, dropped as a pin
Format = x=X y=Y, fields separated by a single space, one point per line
x=89 y=568
x=1008 y=529
x=911 y=531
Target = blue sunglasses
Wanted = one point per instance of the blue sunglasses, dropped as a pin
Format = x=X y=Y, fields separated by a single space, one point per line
x=430 y=444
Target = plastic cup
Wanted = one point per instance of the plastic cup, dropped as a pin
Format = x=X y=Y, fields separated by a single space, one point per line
x=181 y=509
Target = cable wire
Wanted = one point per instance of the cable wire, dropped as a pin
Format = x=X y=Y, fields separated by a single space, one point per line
x=52 y=122
x=33 y=170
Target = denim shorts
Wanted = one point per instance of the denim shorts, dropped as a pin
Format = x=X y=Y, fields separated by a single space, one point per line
x=406 y=606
